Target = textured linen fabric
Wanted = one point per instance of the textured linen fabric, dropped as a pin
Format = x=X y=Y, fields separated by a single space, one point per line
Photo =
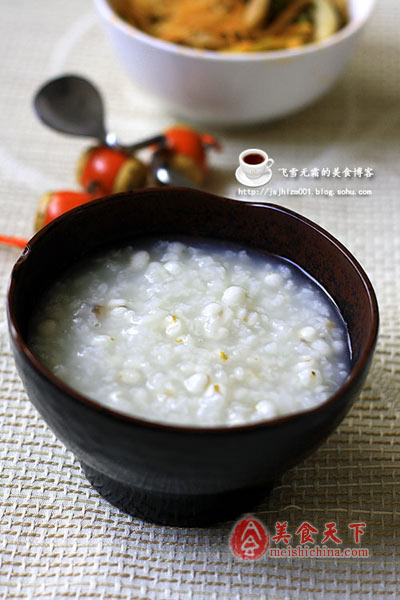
x=59 y=538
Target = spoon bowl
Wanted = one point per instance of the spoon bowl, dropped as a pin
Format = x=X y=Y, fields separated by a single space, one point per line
x=73 y=105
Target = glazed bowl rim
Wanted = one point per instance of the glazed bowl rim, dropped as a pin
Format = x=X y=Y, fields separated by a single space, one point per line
x=108 y=13
x=46 y=374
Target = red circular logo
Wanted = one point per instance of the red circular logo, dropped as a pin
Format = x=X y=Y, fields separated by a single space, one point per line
x=249 y=539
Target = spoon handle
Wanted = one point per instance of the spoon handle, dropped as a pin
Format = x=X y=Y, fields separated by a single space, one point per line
x=157 y=139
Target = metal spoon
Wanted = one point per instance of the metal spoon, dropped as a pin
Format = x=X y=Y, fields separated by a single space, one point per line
x=164 y=173
x=72 y=104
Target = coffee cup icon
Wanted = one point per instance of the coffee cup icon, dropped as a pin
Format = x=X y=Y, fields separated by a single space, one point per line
x=254 y=167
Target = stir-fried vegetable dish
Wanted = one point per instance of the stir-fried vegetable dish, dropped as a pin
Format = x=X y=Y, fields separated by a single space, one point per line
x=236 y=25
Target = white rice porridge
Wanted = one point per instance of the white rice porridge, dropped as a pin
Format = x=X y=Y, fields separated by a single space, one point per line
x=189 y=333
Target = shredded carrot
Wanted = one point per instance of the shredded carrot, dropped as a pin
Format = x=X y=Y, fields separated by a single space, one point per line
x=13 y=241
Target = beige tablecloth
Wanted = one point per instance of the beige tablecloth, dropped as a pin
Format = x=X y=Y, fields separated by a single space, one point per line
x=59 y=538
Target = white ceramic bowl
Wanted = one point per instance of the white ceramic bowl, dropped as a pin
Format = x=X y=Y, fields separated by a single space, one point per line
x=208 y=86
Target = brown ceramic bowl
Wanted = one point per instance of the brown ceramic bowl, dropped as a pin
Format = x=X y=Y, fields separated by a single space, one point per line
x=177 y=474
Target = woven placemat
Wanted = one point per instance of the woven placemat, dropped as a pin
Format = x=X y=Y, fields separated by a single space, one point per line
x=59 y=538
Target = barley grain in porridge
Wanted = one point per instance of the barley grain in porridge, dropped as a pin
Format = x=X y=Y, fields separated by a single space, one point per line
x=191 y=333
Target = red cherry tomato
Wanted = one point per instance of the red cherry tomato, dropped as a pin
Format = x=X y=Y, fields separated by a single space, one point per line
x=98 y=169
x=54 y=204
x=182 y=139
